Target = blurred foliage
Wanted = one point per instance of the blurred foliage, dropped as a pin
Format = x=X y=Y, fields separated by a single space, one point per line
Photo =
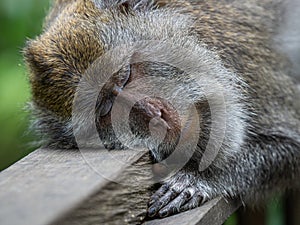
x=19 y=20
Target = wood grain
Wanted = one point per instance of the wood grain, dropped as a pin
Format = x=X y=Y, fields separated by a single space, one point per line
x=63 y=187
x=47 y=184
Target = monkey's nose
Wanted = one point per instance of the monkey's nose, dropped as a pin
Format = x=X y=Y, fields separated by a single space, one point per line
x=155 y=117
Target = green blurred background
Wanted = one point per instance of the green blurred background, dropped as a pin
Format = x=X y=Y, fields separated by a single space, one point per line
x=19 y=21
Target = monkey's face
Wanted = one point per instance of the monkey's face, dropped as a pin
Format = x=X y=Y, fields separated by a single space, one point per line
x=151 y=119
x=58 y=60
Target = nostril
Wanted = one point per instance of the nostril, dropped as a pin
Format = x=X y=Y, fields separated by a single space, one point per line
x=164 y=114
x=170 y=117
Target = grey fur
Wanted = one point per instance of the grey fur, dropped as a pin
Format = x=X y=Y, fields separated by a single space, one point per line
x=233 y=44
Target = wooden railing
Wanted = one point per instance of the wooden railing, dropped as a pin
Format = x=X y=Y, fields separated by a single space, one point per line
x=61 y=187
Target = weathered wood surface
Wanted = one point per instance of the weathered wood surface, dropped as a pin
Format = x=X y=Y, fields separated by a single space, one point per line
x=71 y=187
x=48 y=183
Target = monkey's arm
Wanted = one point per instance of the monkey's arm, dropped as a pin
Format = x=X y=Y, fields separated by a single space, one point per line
x=255 y=173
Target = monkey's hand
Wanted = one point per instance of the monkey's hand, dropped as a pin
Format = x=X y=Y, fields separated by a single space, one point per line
x=180 y=193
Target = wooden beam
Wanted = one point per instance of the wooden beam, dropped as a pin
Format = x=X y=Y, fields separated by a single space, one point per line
x=62 y=187
x=48 y=184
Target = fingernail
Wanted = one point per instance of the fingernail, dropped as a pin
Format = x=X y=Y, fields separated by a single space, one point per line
x=151 y=212
x=163 y=213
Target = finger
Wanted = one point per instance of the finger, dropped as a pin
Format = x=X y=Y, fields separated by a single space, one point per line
x=194 y=202
x=174 y=206
x=158 y=194
x=163 y=201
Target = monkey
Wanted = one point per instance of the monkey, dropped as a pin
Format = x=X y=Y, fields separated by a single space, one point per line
x=230 y=45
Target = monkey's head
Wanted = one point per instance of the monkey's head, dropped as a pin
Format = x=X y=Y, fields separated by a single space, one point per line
x=99 y=51
x=76 y=34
